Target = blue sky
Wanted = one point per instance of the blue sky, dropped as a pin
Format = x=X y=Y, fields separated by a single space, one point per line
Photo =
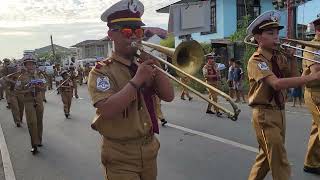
x=308 y=11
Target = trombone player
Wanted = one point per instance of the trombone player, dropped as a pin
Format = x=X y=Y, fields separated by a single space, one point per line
x=270 y=73
x=312 y=99
x=122 y=93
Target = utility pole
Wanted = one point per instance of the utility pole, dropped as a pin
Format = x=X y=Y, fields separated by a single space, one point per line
x=52 y=47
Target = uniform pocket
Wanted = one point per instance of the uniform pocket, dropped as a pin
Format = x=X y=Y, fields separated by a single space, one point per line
x=258 y=115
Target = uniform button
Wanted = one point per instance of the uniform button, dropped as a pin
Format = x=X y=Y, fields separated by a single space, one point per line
x=145 y=124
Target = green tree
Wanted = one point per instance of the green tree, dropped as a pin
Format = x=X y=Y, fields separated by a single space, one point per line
x=168 y=42
x=239 y=37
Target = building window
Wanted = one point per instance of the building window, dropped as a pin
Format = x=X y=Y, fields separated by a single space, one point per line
x=251 y=8
x=100 y=50
x=87 y=51
x=213 y=18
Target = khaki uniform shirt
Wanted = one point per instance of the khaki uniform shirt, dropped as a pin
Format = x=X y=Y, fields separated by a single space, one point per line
x=106 y=79
x=22 y=86
x=206 y=71
x=315 y=85
x=259 y=67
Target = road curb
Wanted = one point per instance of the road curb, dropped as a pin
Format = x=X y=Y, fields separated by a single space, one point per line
x=6 y=161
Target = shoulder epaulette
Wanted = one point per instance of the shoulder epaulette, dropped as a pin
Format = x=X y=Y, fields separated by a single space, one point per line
x=256 y=56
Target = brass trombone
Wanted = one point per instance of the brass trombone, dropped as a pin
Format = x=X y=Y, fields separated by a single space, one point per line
x=187 y=59
x=282 y=46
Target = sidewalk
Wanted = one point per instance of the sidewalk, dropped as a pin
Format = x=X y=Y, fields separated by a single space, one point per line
x=1 y=169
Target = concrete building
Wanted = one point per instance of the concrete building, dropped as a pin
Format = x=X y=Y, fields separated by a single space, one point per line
x=93 y=48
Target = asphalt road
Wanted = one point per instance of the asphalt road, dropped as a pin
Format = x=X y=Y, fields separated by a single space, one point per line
x=195 y=146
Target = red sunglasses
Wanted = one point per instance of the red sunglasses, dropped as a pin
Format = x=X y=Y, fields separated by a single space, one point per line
x=128 y=32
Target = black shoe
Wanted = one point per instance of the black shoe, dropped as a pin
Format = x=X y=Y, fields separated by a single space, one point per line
x=34 y=150
x=8 y=106
x=311 y=170
x=67 y=116
x=77 y=97
x=190 y=98
x=40 y=145
x=163 y=122
x=183 y=98
x=219 y=114
x=45 y=100
x=18 y=125
x=210 y=112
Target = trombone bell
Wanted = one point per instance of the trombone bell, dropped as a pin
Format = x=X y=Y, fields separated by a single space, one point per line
x=188 y=57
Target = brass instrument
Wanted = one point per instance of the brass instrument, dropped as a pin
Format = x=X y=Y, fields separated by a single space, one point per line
x=282 y=46
x=187 y=60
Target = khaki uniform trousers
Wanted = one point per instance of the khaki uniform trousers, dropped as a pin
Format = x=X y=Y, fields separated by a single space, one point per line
x=312 y=158
x=75 y=87
x=66 y=97
x=34 y=117
x=213 y=95
x=130 y=160
x=7 y=95
x=1 y=93
x=17 y=107
x=50 y=79
x=270 y=127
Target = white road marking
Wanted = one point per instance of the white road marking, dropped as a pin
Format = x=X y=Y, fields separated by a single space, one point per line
x=6 y=161
x=216 y=138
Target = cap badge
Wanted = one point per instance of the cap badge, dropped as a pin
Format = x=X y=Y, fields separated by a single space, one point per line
x=133 y=6
x=274 y=18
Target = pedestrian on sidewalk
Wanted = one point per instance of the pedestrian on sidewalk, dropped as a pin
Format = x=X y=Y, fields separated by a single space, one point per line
x=238 y=79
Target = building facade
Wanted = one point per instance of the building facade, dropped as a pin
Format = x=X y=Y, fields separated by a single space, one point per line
x=227 y=15
x=94 y=48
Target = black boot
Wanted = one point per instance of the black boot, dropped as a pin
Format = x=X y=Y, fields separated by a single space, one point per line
x=18 y=124
x=311 y=170
x=219 y=114
x=210 y=112
x=34 y=150
x=163 y=122
x=67 y=115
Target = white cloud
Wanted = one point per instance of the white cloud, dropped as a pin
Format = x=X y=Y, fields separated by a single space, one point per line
x=22 y=13
x=15 y=33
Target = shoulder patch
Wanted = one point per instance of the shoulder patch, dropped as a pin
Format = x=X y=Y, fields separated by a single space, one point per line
x=263 y=66
x=103 y=83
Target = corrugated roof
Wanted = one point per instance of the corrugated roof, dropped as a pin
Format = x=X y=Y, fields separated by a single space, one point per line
x=167 y=8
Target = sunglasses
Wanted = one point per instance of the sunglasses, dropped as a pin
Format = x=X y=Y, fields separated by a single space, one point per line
x=128 y=32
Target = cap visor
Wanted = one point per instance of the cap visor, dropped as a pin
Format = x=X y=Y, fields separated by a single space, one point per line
x=127 y=24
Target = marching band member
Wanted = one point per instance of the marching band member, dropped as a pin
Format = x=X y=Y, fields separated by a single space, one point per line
x=66 y=90
x=211 y=74
x=31 y=84
x=312 y=99
x=74 y=77
x=123 y=93
x=270 y=74
x=15 y=99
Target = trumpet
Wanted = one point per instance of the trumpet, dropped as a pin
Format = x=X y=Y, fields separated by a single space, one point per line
x=281 y=47
x=187 y=60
